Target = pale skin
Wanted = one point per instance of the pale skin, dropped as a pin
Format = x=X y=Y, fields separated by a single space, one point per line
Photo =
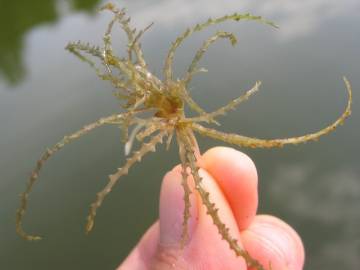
x=231 y=178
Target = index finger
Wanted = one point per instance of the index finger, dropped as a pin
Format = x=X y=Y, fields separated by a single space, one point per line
x=236 y=176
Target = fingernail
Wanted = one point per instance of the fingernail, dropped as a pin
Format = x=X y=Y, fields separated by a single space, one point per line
x=172 y=211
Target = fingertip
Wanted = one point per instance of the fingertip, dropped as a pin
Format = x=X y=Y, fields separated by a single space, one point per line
x=272 y=241
x=236 y=176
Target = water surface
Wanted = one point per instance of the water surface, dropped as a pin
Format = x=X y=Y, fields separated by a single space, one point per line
x=46 y=93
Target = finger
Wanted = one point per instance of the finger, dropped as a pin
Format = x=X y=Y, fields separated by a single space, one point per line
x=141 y=257
x=236 y=176
x=172 y=210
x=272 y=241
x=205 y=249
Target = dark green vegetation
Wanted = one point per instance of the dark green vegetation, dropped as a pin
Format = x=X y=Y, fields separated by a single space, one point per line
x=27 y=16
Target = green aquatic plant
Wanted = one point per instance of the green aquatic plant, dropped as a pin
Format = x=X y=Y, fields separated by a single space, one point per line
x=154 y=111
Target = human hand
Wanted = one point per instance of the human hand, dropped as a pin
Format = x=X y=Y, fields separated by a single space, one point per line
x=231 y=179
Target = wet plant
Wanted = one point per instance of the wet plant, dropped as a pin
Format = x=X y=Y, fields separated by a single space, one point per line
x=154 y=113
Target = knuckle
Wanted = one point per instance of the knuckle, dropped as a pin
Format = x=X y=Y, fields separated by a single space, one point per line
x=168 y=258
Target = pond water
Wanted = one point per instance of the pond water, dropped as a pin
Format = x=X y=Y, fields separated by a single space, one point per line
x=46 y=93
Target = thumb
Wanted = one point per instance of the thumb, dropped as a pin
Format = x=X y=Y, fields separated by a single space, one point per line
x=204 y=248
x=172 y=211
x=160 y=247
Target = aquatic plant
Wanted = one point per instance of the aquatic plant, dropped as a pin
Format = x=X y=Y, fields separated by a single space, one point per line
x=154 y=111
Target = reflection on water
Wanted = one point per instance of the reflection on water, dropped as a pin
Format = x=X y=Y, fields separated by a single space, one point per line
x=28 y=14
x=16 y=20
x=315 y=187
x=288 y=14
x=330 y=198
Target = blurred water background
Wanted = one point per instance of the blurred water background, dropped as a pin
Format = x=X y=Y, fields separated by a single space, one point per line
x=45 y=93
